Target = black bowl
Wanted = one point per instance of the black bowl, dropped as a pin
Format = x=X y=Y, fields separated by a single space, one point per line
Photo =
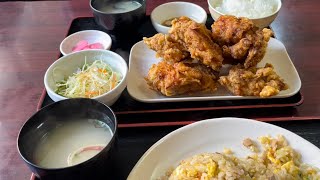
x=57 y=113
x=117 y=23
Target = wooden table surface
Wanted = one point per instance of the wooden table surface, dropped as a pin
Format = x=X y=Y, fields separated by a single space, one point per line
x=30 y=34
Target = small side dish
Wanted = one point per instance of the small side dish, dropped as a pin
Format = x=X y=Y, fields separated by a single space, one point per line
x=162 y=15
x=116 y=16
x=261 y=12
x=83 y=40
x=96 y=74
x=84 y=45
x=89 y=81
x=69 y=139
x=278 y=161
x=252 y=9
x=120 y=7
x=82 y=139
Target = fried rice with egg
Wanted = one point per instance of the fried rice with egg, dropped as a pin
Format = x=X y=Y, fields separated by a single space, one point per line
x=278 y=161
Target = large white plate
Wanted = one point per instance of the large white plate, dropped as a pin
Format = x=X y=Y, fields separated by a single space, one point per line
x=213 y=136
x=141 y=59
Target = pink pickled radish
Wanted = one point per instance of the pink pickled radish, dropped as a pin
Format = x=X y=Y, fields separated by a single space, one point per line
x=84 y=45
x=80 y=45
x=85 y=48
x=96 y=46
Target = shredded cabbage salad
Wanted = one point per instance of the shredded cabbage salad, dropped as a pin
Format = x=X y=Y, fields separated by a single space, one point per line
x=89 y=81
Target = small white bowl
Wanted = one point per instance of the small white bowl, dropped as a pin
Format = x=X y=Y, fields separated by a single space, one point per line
x=259 y=22
x=92 y=36
x=176 y=9
x=67 y=65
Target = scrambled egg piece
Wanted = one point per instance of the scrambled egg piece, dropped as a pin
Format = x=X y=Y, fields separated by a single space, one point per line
x=193 y=169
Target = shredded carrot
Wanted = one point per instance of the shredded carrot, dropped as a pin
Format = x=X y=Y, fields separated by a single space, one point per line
x=104 y=71
x=90 y=93
x=113 y=82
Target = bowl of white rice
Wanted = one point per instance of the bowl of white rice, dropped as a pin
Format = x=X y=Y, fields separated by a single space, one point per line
x=261 y=12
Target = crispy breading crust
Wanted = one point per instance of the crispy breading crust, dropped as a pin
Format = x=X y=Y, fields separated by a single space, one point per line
x=241 y=41
x=198 y=41
x=263 y=82
x=180 y=78
x=166 y=48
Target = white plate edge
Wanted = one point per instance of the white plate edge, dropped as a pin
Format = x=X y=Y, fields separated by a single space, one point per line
x=212 y=98
x=187 y=127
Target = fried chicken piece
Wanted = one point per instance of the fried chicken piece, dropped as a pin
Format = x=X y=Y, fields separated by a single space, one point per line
x=179 y=27
x=234 y=53
x=259 y=47
x=241 y=40
x=166 y=47
x=263 y=82
x=229 y=30
x=197 y=39
x=181 y=78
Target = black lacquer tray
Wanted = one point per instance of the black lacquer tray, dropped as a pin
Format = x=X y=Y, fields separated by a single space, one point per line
x=126 y=105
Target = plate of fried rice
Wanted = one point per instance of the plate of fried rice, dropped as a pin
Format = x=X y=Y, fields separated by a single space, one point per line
x=229 y=148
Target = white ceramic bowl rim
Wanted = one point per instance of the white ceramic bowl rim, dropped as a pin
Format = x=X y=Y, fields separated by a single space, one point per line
x=278 y=9
x=48 y=88
x=80 y=32
x=175 y=2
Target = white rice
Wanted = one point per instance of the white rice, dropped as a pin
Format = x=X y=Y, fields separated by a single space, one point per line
x=248 y=8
